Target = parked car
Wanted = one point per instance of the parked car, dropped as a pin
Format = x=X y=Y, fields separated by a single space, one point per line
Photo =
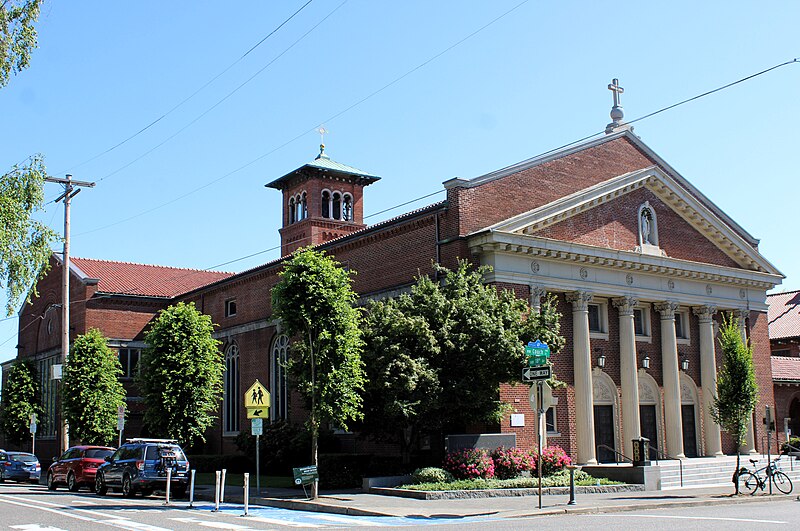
x=77 y=467
x=19 y=466
x=140 y=465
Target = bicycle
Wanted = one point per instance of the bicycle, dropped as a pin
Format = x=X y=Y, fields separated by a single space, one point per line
x=751 y=481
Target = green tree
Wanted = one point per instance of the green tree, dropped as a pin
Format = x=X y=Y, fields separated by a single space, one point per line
x=314 y=300
x=21 y=398
x=437 y=356
x=737 y=391
x=17 y=36
x=91 y=389
x=180 y=374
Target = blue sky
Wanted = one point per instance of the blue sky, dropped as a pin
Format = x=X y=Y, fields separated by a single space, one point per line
x=528 y=82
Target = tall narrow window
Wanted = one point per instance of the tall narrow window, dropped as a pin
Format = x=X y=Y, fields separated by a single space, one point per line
x=303 y=206
x=230 y=405
x=279 y=384
x=347 y=208
x=326 y=204
x=337 y=205
x=291 y=210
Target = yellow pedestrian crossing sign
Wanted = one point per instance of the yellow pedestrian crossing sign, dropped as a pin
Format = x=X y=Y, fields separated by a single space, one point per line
x=256 y=397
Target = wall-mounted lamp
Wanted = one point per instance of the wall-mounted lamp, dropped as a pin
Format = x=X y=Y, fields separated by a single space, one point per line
x=646 y=362
x=685 y=364
x=601 y=358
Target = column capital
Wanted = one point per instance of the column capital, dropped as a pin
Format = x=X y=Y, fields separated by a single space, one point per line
x=705 y=313
x=741 y=314
x=625 y=305
x=666 y=309
x=580 y=300
x=537 y=292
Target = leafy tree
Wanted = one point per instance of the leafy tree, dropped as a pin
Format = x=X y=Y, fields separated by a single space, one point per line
x=21 y=398
x=17 y=36
x=24 y=242
x=180 y=374
x=91 y=389
x=436 y=357
x=737 y=391
x=314 y=300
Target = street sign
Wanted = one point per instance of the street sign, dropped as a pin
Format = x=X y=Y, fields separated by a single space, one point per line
x=543 y=401
x=257 y=396
x=305 y=475
x=537 y=353
x=531 y=374
x=33 y=427
x=258 y=413
x=120 y=418
x=257 y=426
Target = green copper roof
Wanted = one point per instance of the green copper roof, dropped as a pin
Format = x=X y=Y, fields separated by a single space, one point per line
x=324 y=163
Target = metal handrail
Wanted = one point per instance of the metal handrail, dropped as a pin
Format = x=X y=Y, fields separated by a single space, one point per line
x=616 y=453
x=667 y=456
x=794 y=449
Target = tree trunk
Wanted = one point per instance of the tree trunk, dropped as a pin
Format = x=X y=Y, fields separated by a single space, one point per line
x=736 y=476
x=314 y=456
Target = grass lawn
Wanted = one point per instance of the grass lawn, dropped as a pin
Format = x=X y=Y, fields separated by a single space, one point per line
x=237 y=480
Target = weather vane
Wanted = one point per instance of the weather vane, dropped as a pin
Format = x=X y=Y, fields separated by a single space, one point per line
x=322 y=132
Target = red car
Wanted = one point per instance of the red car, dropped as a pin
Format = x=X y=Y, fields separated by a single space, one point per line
x=77 y=467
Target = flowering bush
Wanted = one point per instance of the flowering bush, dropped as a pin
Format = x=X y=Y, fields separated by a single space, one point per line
x=554 y=459
x=511 y=462
x=469 y=464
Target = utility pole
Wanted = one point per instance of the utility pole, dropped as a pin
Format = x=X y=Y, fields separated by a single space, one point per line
x=71 y=189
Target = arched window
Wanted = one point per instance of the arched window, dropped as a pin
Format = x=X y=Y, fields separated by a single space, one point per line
x=304 y=207
x=279 y=384
x=231 y=391
x=347 y=208
x=337 y=205
x=326 y=204
x=299 y=206
x=291 y=211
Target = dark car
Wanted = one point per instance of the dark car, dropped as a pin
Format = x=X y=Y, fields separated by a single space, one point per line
x=19 y=466
x=77 y=467
x=140 y=465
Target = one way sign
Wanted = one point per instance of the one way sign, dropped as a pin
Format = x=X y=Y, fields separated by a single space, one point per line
x=530 y=374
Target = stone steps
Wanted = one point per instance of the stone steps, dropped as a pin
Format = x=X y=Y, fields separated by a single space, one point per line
x=715 y=471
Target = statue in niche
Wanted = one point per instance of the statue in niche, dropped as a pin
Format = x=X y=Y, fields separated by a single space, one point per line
x=646 y=224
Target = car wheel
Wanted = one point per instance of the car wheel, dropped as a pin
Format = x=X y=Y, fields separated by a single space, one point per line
x=100 y=486
x=72 y=485
x=51 y=483
x=127 y=487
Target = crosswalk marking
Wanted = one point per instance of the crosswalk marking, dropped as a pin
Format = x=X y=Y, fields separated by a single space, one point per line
x=344 y=520
x=35 y=527
x=278 y=521
x=205 y=523
x=135 y=526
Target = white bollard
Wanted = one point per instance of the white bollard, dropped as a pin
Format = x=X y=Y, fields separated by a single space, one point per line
x=222 y=489
x=216 y=492
x=191 y=487
x=246 y=493
x=169 y=484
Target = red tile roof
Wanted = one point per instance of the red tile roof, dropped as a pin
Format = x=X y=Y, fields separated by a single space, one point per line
x=784 y=315
x=145 y=280
x=784 y=368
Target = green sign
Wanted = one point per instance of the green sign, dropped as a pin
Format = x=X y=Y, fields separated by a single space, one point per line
x=305 y=475
x=537 y=353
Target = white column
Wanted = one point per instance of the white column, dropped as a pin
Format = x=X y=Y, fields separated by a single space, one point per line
x=708 y=378
x=628 y=373
x=582 y=365
x=750 y=437
x=672 y=385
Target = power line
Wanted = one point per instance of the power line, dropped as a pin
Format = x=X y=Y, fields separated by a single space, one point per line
x=193 y=94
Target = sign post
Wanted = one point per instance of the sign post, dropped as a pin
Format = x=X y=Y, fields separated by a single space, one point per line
x=768 y=422
x=256 y=401
x=120 y=422
x=33 y=428
x=537 y=370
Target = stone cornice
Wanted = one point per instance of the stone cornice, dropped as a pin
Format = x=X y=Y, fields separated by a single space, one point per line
x=501 y=242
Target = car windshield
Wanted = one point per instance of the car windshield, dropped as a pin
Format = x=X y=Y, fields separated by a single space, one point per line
x=97 y=453
x=24 y=458
x=152 y=452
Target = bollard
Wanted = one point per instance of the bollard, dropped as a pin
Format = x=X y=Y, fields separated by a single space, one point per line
x=169 y=484
x=191 y=487
x=222 y=487
x=571 y=486
x=246 y=493
x=216 y=491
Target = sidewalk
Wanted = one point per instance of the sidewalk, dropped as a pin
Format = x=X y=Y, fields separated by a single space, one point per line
x=358 y=503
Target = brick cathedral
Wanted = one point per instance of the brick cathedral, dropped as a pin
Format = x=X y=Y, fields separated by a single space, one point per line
x=642 y=264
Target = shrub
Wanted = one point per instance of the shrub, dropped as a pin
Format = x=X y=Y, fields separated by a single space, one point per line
x=432 y=475
x=554 y=459
x=793 y=441
x=511 y=462
x=469 y=464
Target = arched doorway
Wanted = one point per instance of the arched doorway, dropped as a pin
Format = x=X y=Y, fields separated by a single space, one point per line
x=606 y=406
x=689 y=417
x=650 y=412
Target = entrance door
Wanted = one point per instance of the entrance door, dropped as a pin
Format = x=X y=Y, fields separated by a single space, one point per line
x=647 y=420
x=604 y=433
x=794 y=415
x=689 y=434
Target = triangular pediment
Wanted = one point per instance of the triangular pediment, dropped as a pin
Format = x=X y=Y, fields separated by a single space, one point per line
x=691 y=211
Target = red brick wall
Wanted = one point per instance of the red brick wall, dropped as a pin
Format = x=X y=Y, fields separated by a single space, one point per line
x=615 y=225
x=759 y=340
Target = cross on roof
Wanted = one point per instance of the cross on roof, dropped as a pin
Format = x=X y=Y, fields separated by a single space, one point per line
x=617 y=90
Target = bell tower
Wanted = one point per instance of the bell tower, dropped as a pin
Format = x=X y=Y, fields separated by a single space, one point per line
x=322 y=200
